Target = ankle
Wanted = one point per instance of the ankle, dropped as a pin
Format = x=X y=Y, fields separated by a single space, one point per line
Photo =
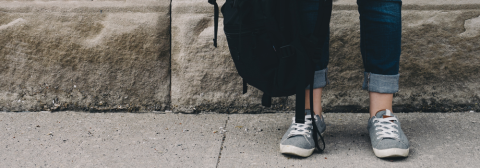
x=319 y=112
x=375 y=113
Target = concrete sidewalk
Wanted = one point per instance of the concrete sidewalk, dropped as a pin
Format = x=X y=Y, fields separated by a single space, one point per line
x=77 y=139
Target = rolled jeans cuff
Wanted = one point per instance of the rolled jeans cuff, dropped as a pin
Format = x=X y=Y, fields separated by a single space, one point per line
x=380 y=83
x=320 y=80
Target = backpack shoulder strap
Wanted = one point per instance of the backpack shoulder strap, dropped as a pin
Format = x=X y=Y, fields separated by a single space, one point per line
x=215 y=18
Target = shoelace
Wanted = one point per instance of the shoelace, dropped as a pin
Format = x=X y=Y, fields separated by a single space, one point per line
x=387 y=127
x=302 y=129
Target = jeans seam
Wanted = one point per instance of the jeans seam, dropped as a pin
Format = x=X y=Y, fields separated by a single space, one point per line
x=362 y=40
x=368 y=81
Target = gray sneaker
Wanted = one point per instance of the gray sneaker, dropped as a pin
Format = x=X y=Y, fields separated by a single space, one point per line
x=298 y=140
x=386 y=135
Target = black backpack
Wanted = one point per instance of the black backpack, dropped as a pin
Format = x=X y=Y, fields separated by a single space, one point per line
x=271 y=52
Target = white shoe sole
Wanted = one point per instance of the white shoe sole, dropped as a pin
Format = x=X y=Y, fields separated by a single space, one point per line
x=293 y=150
x=393 y=152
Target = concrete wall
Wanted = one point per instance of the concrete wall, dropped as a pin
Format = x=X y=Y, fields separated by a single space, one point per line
x=85 y=55
x=115 y=55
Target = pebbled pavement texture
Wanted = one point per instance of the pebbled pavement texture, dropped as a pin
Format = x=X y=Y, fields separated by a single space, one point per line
x=78 y=139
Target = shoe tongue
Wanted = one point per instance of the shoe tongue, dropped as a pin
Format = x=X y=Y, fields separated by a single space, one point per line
x=384 y=114
x=307 y=112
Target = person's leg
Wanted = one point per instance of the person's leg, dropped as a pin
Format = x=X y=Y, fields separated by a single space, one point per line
x=298 y=139
x=309 y=17
x=380 y=31
x=379 y=102
x=320 y=80
x=317 y=100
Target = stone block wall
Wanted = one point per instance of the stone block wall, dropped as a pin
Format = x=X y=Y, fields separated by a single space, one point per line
x=157 y=55
x=85 y=55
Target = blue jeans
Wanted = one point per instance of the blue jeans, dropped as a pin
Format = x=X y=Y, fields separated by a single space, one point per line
x=380 y=43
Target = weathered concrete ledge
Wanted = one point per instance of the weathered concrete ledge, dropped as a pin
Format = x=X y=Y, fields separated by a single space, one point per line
x=439 y=62
x=85 y=6
x=85 y=55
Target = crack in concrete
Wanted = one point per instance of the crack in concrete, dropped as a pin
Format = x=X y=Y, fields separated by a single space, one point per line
x=170 y=61
x=223 y=140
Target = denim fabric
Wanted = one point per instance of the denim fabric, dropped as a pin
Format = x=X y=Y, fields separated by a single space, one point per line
x=380 y=83
x=308 y=19
x=320 y=80
x=380 y=35
x=380 y=43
